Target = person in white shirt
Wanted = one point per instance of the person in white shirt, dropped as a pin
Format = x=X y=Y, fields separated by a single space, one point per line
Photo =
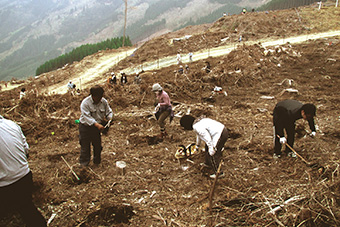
x=179 y=58
x=71 y=87
x=22 y=93
x=212 y=132
x=16 y=182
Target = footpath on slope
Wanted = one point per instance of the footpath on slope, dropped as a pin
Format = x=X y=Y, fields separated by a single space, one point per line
x=223 y=50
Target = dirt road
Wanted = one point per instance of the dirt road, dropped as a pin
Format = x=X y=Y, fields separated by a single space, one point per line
x=107 y=61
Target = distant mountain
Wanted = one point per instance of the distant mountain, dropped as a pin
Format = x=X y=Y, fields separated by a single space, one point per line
x=34 y=31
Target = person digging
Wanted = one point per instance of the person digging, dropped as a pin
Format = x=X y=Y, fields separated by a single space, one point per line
x=213 y=133
x=284 y=116
x=96 y=115
x=163 y=108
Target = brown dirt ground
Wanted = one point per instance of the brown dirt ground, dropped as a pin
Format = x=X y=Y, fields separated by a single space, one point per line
x=155 y=190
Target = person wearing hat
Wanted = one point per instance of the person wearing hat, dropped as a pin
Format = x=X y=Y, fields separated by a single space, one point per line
x=284 y=116
x=95 y=112
x=163 y=108
x=213 y=133
x=16 y=184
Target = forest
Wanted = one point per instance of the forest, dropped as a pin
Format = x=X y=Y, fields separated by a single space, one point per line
x=79 y=53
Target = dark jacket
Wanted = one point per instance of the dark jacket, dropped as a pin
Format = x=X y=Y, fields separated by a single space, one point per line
x=286 y=113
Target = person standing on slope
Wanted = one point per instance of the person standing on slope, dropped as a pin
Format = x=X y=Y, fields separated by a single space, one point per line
x=95 y=112
x=179 y=58
x=163 y=108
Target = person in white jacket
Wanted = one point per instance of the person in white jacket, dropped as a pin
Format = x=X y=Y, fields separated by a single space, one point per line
x=212 y=132
x=15 y=175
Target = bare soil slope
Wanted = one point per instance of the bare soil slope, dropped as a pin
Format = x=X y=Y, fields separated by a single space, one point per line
x=158 y=190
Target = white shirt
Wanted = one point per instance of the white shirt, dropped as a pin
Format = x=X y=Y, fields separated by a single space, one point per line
x=13 y=151
x=22 y=94
x=209 y=131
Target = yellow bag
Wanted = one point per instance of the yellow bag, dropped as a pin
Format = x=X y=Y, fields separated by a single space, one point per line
x=184 y=152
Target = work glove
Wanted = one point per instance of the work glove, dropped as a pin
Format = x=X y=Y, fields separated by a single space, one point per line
x=313 y=134
x=212 y=151
x=283 y=140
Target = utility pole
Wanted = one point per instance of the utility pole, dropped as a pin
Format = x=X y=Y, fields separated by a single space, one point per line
x=125 y=21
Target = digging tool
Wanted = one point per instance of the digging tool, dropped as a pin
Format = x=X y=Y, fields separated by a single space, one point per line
x=211 y=193
x=70 y=168
x=297 y=154
x=108 y=124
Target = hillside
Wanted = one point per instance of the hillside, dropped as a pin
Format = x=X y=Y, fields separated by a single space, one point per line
x=157 y=189
x=33 y=32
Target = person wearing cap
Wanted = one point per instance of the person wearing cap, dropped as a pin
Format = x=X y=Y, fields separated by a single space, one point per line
x=95 y=113
x=16 y=182
x=213 y=133
x=284 y=116
x=163 y=108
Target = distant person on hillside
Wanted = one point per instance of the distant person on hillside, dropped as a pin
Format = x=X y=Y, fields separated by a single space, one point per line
x=190 y=56
x=207 y=68
x=163 y=108
x=284 y=116
x=113 y=78
x=213 y=133
x=187 y=69
x=70 y=87
x=16 y=182
x=96 y=116
x=180 y=70
x=137 y=79
x=123 y=79
x=22 y=93
x=179 y=58
x=244 y=11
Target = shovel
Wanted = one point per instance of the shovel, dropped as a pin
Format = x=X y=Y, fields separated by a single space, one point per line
x=313 y=165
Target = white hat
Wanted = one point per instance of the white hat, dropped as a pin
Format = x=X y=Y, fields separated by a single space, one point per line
x=157 y=87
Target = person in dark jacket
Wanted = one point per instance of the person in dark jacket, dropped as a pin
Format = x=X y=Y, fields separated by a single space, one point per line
x=284 y=116
x=123 y=79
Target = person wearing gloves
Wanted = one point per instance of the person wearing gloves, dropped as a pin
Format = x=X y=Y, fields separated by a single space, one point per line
x=95 y=118
x=16 y=182
x=284 y=116
x=163 y=108
x=212 y=132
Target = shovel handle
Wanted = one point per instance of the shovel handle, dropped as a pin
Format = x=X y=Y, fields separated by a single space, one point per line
x=304 y=160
